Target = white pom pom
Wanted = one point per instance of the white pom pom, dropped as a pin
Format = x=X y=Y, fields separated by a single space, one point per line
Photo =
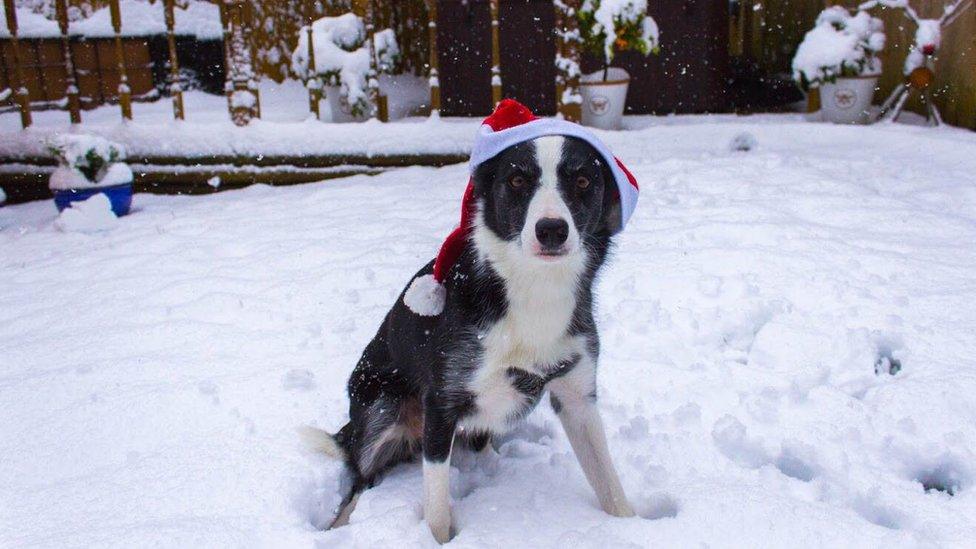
x=425 y=296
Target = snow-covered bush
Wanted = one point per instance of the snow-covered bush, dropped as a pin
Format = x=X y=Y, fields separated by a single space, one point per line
x=342 y=56
x=839 y=45
x=610 y=26
x=87 y=161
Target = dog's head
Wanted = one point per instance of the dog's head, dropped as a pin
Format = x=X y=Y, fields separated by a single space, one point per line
x=547 y=199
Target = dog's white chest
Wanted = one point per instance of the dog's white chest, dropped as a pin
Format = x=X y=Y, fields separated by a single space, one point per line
x=513 y=356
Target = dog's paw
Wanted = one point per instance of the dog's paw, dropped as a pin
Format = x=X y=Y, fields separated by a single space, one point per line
x=620 y=509
x=441 y=530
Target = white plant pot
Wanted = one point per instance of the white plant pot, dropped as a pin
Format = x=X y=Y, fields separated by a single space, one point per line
x=848 y=101
x=338 y=106
x=603 y=102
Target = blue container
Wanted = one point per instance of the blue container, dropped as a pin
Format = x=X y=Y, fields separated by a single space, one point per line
x=119 y=195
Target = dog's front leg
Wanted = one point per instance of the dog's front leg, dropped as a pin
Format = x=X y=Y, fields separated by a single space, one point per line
x=574 y=400
x=438 y=440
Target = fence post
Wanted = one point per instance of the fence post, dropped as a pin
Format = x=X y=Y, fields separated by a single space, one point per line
x=252 y=82
x=19 y=86
x=175 y=88
x=313 y=83
x=433 y=64
x=225 y=25
x=496 y=69
x=568 y=99
x=372 y=77
x=71 y=87
x=243 y=102
x=125 y=93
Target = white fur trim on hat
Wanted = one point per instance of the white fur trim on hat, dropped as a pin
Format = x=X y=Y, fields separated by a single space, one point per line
x=489 y=143
x=425 y=296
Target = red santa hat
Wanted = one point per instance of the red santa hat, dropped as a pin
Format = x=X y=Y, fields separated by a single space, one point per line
x=511 y=123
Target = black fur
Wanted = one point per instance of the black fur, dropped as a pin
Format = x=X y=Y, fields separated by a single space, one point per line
x=413 y=373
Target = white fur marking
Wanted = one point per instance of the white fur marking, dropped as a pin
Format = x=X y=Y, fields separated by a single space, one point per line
x=541 y=299
x=437 y=499
x=584 y=429
x=320 y=441
x=548 y=201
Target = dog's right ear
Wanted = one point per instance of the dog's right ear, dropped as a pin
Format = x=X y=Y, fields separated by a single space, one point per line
x=611 y=219
x=484 y=177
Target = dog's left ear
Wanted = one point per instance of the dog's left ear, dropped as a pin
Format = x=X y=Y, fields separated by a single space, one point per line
x=611 y=217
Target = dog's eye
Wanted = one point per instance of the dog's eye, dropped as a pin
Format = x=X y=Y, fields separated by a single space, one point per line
x=517 y=181
x=582 y=183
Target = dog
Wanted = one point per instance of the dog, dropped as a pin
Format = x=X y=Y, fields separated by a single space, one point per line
x=517 y=322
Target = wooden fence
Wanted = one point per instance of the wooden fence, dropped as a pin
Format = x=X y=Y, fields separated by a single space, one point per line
x=771 y=30
x=764 y=31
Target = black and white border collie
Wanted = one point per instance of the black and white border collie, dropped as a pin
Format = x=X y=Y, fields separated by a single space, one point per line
x=517 y=322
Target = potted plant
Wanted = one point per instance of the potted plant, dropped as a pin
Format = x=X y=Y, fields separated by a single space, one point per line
x=607 y=27
x=840 y=57
x=90 y=165
x=342 y=62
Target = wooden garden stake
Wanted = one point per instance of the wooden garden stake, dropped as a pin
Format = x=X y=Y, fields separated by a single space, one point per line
x=496 y=70
x=175 y=88
x=433 y=77
x=372 y=77
x=568 y=99
x=313 y=83
x=125 y=93
x=19 y=85
x=225 y=25
x=252 y=82
x=243 y=101
x=71 y=84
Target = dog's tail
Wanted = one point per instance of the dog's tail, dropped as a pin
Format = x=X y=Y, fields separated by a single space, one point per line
x=321 y=442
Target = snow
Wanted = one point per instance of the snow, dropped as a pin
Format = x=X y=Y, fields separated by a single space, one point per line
x=928 y=40
x=88 y=216
x=839 y=45
x=154 y=374
x=285 y=128
x=199 y=19
x=64 y=178
x=342 y=55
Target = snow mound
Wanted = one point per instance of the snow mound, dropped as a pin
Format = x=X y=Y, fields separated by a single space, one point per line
x=88 y=216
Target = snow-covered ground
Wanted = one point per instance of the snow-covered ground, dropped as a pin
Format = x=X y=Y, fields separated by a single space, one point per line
x=152 y=376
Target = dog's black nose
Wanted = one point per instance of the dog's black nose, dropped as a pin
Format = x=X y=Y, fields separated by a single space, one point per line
x=551 y=232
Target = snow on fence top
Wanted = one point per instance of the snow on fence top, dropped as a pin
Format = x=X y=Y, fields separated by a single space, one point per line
x=139 y=18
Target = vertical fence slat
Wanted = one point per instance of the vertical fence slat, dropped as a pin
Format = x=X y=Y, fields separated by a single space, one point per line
x=71 y=87
x=125 y=93
x=225 y=25
x=19 y=86
x=313 y=82
x=372 y=77
x=242 y=101
x=252 y=82
x=496 y=69
x=175 y=88
x=568 y=99
x=433 y=75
